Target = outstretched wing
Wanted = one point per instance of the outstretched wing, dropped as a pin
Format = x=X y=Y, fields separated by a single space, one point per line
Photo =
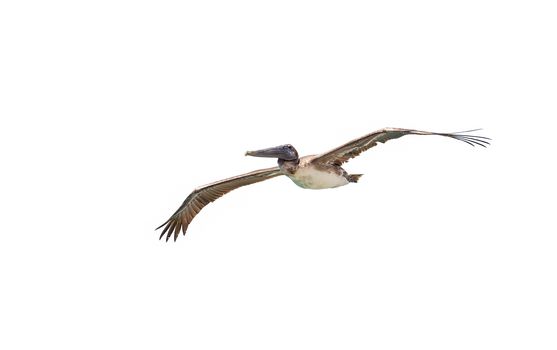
x=204 y=195
x=352 y=149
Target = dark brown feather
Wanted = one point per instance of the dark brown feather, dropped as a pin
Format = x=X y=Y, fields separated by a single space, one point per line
x=204 y=195
x=352 y=149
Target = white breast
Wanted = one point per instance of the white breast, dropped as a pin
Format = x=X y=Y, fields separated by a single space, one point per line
x=309 y=177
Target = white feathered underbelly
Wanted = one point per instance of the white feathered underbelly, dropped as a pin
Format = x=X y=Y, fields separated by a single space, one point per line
x=317 y=179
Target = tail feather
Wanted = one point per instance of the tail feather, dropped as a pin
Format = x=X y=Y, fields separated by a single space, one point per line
x=354 y=177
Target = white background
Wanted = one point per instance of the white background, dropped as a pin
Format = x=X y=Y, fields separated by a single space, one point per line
x=113 y=111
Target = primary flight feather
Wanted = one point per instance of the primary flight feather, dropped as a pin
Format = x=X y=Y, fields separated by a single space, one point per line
x=312 y=172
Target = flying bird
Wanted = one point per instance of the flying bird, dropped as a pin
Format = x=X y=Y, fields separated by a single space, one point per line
x=311 y=172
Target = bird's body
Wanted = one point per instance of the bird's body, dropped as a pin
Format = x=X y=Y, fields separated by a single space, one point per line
x=309 y=172
x=313 y=175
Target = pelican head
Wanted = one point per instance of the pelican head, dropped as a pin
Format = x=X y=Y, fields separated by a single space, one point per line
x=284 y=152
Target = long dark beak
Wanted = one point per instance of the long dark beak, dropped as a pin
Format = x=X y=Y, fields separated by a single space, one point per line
x=273 y=152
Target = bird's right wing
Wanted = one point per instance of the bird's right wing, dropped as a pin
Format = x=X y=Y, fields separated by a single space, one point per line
x=204 y=195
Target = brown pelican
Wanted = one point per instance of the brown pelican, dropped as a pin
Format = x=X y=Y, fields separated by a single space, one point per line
x=313 y=172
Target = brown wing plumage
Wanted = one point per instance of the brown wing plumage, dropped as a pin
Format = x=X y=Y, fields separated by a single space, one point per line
x=342 y=154
x=204 y=195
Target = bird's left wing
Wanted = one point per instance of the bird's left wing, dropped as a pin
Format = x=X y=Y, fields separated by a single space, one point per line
x=343 y=153
x=204 y=195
